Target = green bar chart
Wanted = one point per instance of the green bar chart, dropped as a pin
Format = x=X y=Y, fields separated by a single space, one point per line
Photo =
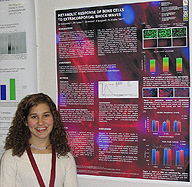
x=152 y=65
x=179 y=64
x=165 y=64
x=12 y=89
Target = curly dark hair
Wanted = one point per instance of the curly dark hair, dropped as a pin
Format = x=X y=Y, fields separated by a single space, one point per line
x=19 y=133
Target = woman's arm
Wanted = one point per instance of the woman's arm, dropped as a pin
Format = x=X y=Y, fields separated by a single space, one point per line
x=7 y=170
x=71 y=173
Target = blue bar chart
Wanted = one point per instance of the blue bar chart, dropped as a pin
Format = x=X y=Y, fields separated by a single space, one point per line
x=3 y=92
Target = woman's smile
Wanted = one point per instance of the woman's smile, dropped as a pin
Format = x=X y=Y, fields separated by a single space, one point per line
x=41 y=130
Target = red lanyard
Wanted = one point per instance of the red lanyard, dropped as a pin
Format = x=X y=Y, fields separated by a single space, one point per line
x=36 y=170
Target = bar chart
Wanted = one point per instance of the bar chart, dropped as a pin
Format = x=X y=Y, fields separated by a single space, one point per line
x=177 y=126
x=167 y=156
x=152 y=66
x=10 y=88
x=180 y=158
x=165 y=64
x=178 y=62
x=155 y=157
x=166 y=126
x=155 y=126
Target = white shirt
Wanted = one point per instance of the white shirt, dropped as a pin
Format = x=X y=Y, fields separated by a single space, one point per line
x=18 y=172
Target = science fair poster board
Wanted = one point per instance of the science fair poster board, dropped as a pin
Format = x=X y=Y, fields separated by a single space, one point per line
x=18 y=66
x=123 y=80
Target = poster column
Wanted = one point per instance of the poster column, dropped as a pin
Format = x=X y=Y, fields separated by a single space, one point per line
x=18 y=64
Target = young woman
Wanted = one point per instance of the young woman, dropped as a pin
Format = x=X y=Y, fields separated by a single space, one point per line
x=37 y=149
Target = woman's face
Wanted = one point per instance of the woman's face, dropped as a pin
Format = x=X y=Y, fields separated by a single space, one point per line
x=40 y=122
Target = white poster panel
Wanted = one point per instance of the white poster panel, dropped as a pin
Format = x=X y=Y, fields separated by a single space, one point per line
x=18 y=67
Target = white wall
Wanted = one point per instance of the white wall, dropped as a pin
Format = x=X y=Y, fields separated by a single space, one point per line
x=47 y=77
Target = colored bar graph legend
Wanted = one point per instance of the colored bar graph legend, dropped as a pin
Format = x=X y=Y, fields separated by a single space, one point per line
x=180 y=158
x=178 y=64
x=155 y=126
x=166 y=126
x=177 y=126
x=165 y=64
x=167 y=156
x=12 y=89
x=152 y=65
x=155 y=157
